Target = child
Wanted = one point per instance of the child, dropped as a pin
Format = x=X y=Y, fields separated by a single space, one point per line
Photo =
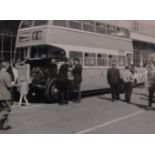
x=23 y=87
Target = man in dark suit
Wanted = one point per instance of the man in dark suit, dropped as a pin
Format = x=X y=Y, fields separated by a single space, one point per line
x=113 y=78
x=77 y=78
x=64 y=82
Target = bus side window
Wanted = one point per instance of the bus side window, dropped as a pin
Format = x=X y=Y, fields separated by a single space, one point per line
x=75 y=24
x=121 y=60
x=40 y=22
x=60 y=23
x=75 y=54
x=111 y=30
x=88 y=25
x=90 y=59
x=112 y=58
x=102 y=60
x=100 y=28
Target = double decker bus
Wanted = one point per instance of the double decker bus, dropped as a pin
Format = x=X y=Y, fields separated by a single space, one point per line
x=42 y=45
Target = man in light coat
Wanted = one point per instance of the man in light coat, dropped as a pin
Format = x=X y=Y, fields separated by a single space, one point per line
x=128 y=82
x=5 y=96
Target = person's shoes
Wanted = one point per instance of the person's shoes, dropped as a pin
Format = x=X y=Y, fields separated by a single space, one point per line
x=61 y=103
x=113 y=100
x=148 y=108
x=77 y=101
x=118 y=98
x=66 y=103
x=7 y=128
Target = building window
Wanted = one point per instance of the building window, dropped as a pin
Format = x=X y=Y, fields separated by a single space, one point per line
x=75 y=54
x=88 y=25
x=60 y=23
x=137 y=58
x=75 y=24
x=90 y=59
x=102 y=59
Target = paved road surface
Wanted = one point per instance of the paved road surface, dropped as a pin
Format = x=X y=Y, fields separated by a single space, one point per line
x=96 y=114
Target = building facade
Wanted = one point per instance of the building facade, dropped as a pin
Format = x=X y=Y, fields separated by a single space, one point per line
x=142 y=33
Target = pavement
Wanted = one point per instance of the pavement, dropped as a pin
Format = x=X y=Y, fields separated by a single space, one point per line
x=94 y=115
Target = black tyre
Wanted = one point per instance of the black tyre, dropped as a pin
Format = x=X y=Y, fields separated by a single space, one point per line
x=52 y=91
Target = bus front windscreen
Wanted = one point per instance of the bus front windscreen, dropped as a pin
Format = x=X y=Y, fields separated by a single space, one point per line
x=42 y=52
x=21 y=54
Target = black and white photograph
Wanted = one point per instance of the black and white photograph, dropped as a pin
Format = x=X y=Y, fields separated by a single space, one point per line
x=77 y=76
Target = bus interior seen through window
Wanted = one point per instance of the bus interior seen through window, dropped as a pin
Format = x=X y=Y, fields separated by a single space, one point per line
x=121 y=61
x=111 y=59
x=76 y=24
x=47 y=52
x=102 y=60
x=75 y=54
x=90 y=59
x=21 y=54
x=26 y=23
x=40 y=22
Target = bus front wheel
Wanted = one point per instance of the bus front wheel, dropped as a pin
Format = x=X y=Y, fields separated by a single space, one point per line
x=52 y=91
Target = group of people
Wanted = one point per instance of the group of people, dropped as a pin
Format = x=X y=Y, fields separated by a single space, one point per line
x=117 y=80
x=126 y=79
x=70 y=76
x=7 y=84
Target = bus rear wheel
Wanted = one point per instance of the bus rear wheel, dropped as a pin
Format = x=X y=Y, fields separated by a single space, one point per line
x=52 y=91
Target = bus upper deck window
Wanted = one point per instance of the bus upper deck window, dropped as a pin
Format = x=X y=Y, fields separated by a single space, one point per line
x=60 y=23
x=26 y=24
x=75 y=24
x=100 y=28
x=40 y=22
x=111 y=30
x=88 y=25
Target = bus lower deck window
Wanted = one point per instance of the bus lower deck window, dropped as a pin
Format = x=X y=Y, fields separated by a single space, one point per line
x=102 y=60
x=90 y=59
